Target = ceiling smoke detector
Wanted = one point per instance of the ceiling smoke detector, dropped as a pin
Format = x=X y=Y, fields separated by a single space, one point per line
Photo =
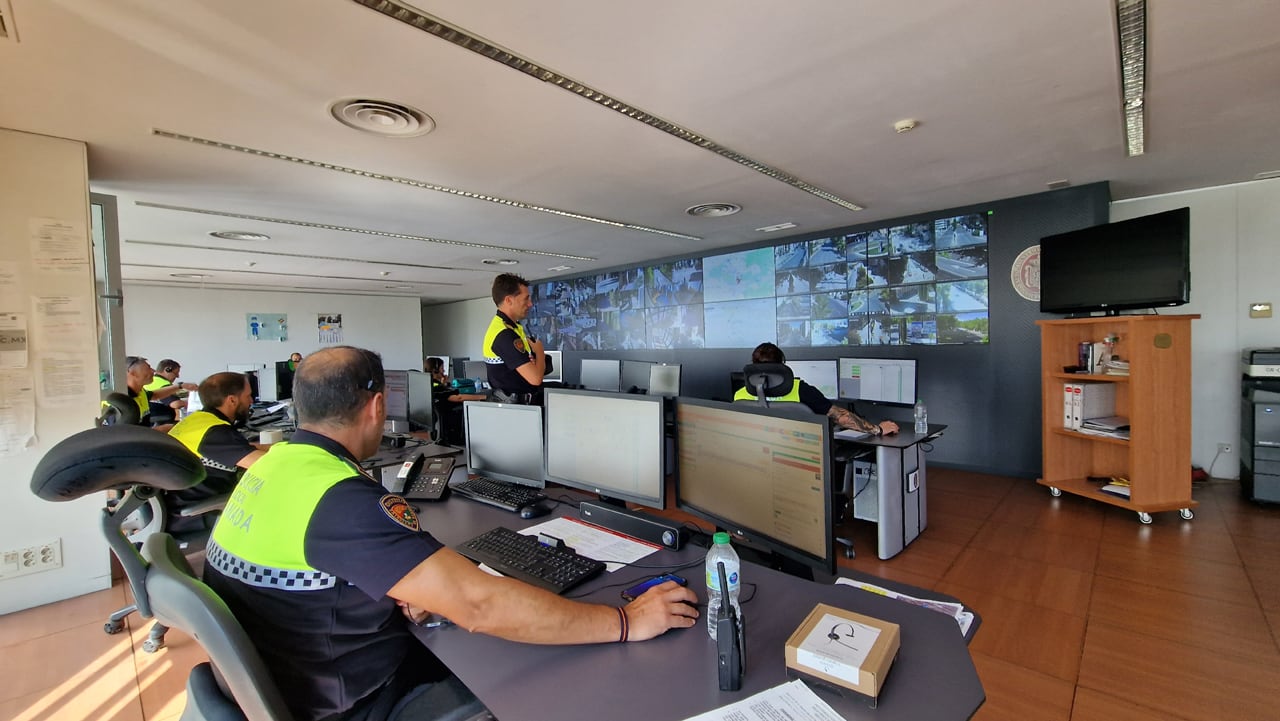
x=712 y=210
x=239 y=235
x=382 y=117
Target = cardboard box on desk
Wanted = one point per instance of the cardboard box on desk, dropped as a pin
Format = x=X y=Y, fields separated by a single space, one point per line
x=844 y=649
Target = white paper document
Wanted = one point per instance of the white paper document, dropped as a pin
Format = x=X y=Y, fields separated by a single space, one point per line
x=60 y=380
x=12 y=294
x=13 y=340
x=17 y=412
x=955 y=610
x=591 y=541
x=792 y=701
x=849 y=434
x=58 y=245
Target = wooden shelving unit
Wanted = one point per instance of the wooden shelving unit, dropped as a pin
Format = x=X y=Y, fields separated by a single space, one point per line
x=1155 y=396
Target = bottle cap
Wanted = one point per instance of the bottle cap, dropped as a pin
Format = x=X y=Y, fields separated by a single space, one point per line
x=720 y=537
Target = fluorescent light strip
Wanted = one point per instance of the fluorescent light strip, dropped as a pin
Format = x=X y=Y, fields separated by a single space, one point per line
x=428 y=186
x=1131 y=23
x=288 y=275
x=299 y=255
x=363 y=231
x=205 y=285
x=462 y=38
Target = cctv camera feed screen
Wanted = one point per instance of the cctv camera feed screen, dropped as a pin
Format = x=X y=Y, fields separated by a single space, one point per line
x=919 y=283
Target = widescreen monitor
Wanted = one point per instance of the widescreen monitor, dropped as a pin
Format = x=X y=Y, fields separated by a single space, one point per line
x=635 y=376
x=284 y=380
x=610 y=444
x=599 y=374
x=396 y=393
x=557 y=368
x=763 y=477
x=504 y=442
x=878 y=380
x=820 y=374
x=421 y=399
x=476 y=370
x=664 y=379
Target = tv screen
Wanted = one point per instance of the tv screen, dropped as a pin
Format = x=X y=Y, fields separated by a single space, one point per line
x=1139 y=263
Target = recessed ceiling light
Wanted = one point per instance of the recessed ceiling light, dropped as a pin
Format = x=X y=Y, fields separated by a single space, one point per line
x=905 y=125
x=712 y=210
x=500 y=261
x=776 y=228
x=1267 y=175
x=1055 y=184
x=560 y=268
x=382 y=117
x=193 y=276
x=239 y=235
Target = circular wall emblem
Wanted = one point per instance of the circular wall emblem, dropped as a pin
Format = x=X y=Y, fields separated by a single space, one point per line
x=1025 y=274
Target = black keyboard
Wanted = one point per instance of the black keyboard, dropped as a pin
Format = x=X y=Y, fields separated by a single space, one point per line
x=507 y=496
x=523 y=557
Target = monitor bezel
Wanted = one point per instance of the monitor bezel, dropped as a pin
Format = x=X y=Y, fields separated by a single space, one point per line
x=467 y=406
x=656 y=502
x=755 y=537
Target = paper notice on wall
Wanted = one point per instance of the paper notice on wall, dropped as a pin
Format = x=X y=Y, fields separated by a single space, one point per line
x=13 y=340
x=60 y=380
x=17 y=412
x=12 y=294
x=58 y=245
x=62 y=322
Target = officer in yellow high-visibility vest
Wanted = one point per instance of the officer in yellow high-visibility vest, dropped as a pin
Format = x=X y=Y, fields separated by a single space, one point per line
x=516 y=362
x=164 y=391
x=324 y=567
x=802 y=392
x=211 y=434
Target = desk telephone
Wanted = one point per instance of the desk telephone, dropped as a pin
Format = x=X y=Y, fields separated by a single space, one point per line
x=425 y=479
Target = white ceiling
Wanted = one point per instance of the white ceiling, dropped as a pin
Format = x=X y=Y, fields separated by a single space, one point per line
x=1010 y=95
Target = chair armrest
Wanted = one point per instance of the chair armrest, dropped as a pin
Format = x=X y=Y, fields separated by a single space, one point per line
x=206 y=506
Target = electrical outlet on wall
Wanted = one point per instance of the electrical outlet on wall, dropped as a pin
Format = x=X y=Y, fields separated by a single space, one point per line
x=31 y=559
x=1224 y=447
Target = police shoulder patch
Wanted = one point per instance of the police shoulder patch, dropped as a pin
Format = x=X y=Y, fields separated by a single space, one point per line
x=399 y=510
x=520 y=345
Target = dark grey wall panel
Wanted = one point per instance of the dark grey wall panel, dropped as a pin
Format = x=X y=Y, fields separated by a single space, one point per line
x=989 y=395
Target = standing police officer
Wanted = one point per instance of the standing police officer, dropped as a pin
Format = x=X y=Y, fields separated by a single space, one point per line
x=322 y=567
x=516 y=362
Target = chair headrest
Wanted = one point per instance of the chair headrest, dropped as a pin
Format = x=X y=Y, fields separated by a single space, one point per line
x=114 y=457
x=119 y=409
x=777 y=378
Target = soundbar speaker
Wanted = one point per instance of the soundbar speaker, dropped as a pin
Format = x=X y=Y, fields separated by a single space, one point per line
x=652 y=529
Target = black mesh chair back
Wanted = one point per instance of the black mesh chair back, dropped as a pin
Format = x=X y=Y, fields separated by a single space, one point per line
x=768 y=380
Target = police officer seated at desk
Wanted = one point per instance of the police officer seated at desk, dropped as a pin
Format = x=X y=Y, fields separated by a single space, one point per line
x=325 y=569
x=802 y=392
x=210 y=434
x=165 y=393
x=516 y=362
x=448 y=403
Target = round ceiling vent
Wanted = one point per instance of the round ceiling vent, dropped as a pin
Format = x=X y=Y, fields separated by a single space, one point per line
x=382 y=117
x=713 y=210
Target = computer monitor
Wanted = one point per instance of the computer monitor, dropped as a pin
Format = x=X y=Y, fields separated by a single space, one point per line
x=475 y=369
x=664 y=379
x=599 y=374
x=421 y=400
x=557 y=368
x=504 y=442
x=268 y=384
x=821 y=374
x=879 y=380
x=251 y=371
x=635 y=376
x=610 y=444
x=284 y=380
x=396 y=393
x=763 y=477
x=457 y=367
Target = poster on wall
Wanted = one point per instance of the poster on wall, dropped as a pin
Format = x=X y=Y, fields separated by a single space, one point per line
x=329 y=327
x=267 y=326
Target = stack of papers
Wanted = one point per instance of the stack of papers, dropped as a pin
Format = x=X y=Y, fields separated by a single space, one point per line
x=1114 y=426
x=1116 y=367
x=957 y=611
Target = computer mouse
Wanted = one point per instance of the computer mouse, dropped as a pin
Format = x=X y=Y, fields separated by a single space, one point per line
x=535 y=510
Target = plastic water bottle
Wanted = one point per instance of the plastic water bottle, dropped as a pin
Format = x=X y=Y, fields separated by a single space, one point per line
x=922 y=418
x=721 y=551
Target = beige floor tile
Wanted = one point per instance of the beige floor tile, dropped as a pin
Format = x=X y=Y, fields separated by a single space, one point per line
x=81 y=667
x=1092 y=705
x=60 y=616
x=1057 y=587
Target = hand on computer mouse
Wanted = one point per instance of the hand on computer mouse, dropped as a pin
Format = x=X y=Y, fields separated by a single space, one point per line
x=662 y=607
x=888 y=428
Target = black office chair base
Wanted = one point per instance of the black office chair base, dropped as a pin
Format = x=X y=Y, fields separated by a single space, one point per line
x=848 y=547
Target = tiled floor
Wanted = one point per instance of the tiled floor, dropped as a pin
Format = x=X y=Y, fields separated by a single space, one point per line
x=1087 y=614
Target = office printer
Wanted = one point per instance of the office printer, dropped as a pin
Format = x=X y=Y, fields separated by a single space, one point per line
x=1260 y=362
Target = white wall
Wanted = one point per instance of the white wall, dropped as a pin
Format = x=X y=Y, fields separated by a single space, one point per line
x=43 y=177
x=205 y=331
x=1235 y=261
x=456 y=329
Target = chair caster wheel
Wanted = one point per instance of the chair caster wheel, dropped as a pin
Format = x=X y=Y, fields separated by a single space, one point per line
x=1055 y=492
x=113 y=627
x=1186 y=514
x=1144 y=518
x=152 y=645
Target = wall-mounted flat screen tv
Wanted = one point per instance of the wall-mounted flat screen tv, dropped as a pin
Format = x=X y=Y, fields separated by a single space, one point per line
x=1139 y=263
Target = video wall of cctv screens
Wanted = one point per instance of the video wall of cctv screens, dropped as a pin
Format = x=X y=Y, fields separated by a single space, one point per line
x=918 y=283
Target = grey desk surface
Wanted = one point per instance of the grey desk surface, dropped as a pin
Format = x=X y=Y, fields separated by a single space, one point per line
x=674 y=675
x=904 y=438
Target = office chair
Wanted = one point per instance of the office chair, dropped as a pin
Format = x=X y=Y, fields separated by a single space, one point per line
x=768 y=380
x=235 y=683
x=142 y=464
x=118 y=409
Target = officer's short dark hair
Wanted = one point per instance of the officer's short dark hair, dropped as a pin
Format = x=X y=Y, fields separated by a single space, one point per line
x=216 y=388
x=768 y=353
x=435 y=364
x=168 y=365
x=506 y=285
x=334 y=384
